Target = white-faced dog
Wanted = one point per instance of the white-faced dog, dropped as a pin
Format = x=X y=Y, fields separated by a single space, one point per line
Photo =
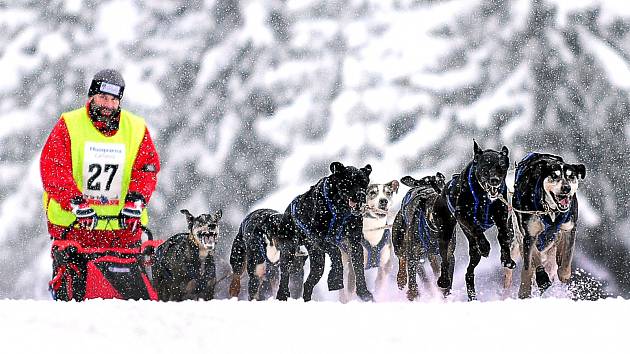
x=377 y=240
x=546 y=209
x=184 y=263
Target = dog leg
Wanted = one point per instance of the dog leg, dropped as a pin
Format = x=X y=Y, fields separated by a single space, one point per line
x=434 y=262
x=255 y=271
x=345 y=294
x=447 y=253
x=564 y=255
x=542 y=279
x=315 y=273
x=532 y=227
x=508 y=273
x=210 y=277
x=296 y=275
x=412 y=269
x=398 y=237
x=475 y=257
x=401 y=276
x=527 y=275
x=507 y=278
x=505 y=236
x=237 y=260
x=335 y=275
x=384 y=268
x=287 y=253
x=356 y=253
x=352 y=279
x=268 y=282
x=235 y=285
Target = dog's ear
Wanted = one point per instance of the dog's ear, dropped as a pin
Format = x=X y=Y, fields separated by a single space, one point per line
x=504 y=151
x=337 y=167
x=581 y=170
x=367 y=169
x=408 y=181
x=218 y=214
x=440 y=176
x=394 y=185
x=189 y=218
x=476 y=150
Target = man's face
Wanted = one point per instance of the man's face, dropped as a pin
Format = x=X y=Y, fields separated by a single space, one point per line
x=105 y=105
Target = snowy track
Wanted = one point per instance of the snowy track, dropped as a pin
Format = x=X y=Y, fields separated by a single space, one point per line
x=230 y=326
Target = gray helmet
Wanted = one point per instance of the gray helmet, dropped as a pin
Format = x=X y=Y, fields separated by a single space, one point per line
x=107 y=81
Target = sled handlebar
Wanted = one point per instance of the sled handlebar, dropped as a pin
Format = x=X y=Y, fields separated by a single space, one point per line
x=64 y=233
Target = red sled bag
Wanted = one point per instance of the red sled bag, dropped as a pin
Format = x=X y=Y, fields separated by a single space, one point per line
x=105 y=273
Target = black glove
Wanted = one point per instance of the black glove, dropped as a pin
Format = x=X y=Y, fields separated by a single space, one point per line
x=86 y=217
x=129 y=216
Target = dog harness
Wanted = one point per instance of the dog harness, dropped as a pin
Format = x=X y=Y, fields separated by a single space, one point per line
x=374 y=252
x=424 y=229
x=482 y=204
x=260 y=243
x=335 y=226
x=193 y=270
x=551 y=227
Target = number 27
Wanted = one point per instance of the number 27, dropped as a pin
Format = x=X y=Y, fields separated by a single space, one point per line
x=96 y=170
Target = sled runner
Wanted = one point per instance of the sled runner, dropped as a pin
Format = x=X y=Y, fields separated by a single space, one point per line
x=82 y=273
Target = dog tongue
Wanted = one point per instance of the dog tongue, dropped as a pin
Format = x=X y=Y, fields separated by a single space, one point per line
x=564 y=202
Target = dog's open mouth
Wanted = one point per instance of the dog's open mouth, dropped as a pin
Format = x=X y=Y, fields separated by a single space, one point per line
x=379 y=211
x=493 y=191
x=207 y=239
x=563 y=201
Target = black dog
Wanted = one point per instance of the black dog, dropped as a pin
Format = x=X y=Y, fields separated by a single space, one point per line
x=415 y=231
x=184 y=263
x=256 y=247
x=328 y=215
x=546 y=208
x=471 y=199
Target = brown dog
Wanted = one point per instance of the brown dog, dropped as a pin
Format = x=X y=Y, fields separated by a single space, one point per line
x=184 y=264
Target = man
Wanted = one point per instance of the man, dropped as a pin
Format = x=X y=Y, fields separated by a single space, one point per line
x=99 y=161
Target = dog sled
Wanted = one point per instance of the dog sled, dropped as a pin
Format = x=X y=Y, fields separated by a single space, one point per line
x=82 y=273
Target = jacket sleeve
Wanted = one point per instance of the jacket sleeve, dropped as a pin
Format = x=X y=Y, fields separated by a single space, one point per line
x=55 y=166
x=145 y=169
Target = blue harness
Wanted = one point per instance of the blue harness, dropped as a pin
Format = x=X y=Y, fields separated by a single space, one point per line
x=551 y=227
x=336 y=223
x=424 y=230
x=374 y=252
x=482 y=204
x=260 y=243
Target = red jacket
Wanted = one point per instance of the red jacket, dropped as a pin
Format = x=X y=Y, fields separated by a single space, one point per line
x=56 y=173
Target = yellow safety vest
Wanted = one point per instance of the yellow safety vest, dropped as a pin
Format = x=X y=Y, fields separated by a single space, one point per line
x=101 y=166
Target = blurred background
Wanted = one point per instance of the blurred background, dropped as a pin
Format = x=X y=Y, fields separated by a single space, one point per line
x=248 y=103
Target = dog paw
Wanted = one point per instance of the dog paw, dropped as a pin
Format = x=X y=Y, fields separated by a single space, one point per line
x=412 y=294
x=365 y=296
x=282 y=295
x=484 y=247
x=443 y=282
x=508 y=263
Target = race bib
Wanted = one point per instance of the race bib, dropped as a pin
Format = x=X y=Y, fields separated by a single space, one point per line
x=103 y=166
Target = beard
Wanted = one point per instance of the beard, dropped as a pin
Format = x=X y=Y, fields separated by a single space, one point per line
x=104 y=115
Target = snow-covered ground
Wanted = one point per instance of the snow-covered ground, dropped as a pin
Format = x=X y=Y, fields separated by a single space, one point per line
x=230 y=326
